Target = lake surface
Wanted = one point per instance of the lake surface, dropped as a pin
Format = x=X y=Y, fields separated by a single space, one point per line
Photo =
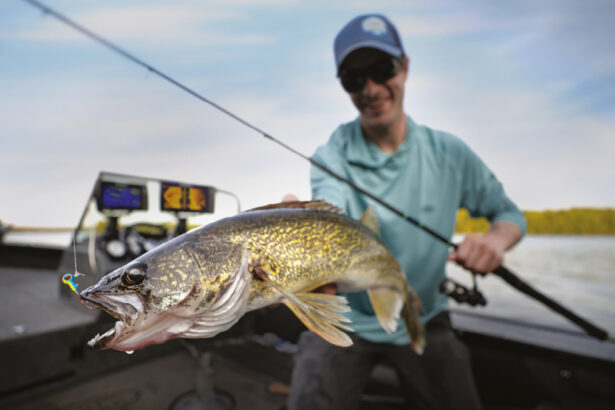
x=578 y=271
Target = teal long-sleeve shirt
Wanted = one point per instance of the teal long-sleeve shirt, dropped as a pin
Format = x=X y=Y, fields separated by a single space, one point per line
x=430 y=176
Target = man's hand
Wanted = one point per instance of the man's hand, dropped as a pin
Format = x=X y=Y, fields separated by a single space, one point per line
x=482 y=253
x=329 y=289
x=290 y=198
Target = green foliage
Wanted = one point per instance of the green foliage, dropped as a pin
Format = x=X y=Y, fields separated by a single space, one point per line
x=585 y=221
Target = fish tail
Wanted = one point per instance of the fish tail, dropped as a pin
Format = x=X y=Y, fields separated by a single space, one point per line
x=412 y=321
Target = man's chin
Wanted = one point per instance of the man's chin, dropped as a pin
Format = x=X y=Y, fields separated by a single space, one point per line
x=381 y=121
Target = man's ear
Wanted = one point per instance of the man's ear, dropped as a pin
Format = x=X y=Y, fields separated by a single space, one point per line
x=405 y=67
x=405 y=64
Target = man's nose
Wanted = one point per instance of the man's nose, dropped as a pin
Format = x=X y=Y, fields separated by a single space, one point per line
x=371 y=87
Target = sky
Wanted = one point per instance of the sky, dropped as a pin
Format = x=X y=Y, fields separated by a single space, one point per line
x=529 y=85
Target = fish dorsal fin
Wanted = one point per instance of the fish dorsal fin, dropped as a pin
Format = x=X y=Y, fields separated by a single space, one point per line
x=318 y=205
x=370 y=219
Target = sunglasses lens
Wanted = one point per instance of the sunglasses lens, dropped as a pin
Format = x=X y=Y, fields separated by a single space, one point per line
x=384 y=70
x=380 y=72
x=352 y=81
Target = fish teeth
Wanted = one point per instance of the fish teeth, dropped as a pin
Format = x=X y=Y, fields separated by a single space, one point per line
x=109 y=333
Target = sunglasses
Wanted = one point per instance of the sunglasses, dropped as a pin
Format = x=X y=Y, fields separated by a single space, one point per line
x=380 y=72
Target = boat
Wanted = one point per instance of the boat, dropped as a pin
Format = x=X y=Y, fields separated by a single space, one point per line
x=46 y=364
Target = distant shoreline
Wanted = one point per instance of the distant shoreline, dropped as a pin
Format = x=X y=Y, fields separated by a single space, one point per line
x=573 y=221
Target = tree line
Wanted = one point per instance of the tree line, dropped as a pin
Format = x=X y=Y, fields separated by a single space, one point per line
x=579 y=221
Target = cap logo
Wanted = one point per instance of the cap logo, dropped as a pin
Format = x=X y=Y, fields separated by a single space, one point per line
x=374 y=25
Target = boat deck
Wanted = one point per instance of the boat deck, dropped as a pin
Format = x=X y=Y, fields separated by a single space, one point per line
x=32 y=304
x=43 y=335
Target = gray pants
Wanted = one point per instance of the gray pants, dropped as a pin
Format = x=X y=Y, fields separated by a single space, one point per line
x=331 y=377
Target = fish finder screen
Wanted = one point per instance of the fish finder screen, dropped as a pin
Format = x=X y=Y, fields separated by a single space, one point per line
x=186 y=198
x=120 y=196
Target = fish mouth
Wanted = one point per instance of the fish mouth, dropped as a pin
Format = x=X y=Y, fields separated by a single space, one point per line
x=101 y=342
x=126 y=308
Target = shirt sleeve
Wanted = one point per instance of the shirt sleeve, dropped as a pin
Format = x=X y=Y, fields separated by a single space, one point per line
x=483 y=194
x=324 y=186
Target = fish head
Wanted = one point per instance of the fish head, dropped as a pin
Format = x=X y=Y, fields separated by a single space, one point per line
x=153 y=297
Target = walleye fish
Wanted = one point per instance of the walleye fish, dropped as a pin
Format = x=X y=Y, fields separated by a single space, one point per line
x=202 y=282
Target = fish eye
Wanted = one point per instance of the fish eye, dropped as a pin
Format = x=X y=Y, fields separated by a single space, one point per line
x=134 y=275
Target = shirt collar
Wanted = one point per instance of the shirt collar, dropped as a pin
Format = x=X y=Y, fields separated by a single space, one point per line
x=362 y=151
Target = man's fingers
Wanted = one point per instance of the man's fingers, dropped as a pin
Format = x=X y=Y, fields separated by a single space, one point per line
x=483 y=263
x=329 y=288
x=476 y=254
x=465 y=251
x=453 y=256
x=290 y=198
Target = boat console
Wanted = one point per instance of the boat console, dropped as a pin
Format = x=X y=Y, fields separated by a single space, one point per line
x=127 y=216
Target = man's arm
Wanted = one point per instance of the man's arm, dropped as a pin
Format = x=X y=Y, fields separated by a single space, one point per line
x=484 y=196
x=482 y=253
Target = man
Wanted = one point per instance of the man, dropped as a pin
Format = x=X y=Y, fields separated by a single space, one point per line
x=429 y=175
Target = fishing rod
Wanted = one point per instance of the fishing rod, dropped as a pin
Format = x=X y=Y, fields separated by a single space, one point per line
x=500 y=271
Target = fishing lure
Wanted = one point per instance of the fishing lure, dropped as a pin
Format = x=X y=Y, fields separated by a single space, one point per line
x=69 y=280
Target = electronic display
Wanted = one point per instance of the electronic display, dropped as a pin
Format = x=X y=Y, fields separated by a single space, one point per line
x=113 y=196
x=186 y=198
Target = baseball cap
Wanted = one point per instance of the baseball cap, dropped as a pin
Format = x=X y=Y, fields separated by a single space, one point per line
x=367 y=31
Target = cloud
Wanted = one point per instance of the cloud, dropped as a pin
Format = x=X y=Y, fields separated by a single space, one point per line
x=153 y=25
x=438 y=25
x=261 y=3
x=548 y=153
x=156 y=132
x=87 y=116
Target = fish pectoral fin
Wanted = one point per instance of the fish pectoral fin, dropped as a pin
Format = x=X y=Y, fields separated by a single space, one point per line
x=319 y=312
x=387 y=304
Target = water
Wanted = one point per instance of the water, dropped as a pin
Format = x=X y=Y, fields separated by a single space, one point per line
x=576 y=271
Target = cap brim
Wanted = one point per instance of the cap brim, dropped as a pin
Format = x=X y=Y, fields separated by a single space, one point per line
x=391 y=50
